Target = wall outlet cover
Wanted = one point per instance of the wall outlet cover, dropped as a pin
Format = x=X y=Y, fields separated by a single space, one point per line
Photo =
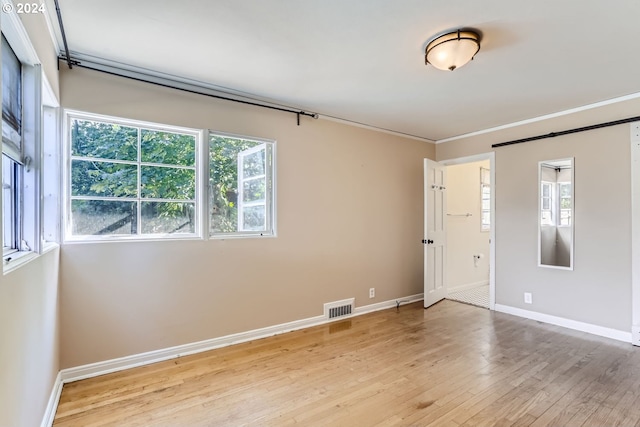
x=528 y=298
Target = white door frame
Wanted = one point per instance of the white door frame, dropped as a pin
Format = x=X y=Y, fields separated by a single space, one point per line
x=491 y=156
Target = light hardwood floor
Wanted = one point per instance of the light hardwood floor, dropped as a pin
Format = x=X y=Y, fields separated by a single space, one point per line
x=450 y=365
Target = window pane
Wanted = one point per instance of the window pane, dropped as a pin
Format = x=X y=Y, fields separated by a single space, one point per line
x=546 y=190
x=546 y=203
x=253 y=218
x=253 y=164
x=103 y=140
x=91 y=178
x=223 y=184
x=545 y=218
x=565 y=190
x=254 y=190
x=565 y=203
x=486 y=205
x=103 y=217
x=8 y=203
x=168 y=148
x=113 y=160
x=11 y=88
x=168 y=183
x=486 y=218
x=167 y=217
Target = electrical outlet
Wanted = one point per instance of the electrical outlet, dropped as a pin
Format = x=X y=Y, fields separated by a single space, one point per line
x=372 y=292
x=528 y=299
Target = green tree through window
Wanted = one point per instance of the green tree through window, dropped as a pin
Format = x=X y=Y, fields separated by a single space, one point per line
x=240 y=185
x=130 y=180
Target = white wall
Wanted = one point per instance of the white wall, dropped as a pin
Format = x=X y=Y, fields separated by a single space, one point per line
x=464 y=235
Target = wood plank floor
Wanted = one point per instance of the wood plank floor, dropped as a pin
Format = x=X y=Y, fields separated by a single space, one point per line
x=450 y=365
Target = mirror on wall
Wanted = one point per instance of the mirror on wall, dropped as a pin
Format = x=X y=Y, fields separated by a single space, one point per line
x=555 y=213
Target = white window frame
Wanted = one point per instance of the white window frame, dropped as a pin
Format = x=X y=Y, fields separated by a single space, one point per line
x=550 y=199
x=242 y=205
x=560 y=209
x=69 y=116
x=555 y=203
x=36 y=97
x=270 y=200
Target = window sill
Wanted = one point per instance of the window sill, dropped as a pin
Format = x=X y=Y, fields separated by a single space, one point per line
x=18 y=259
x=131 y=239
x=232 y=236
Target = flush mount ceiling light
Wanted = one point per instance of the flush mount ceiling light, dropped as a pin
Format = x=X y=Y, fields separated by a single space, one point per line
x=452 y=50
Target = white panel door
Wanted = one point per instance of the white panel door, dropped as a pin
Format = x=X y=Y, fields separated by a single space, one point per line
x=435 y=203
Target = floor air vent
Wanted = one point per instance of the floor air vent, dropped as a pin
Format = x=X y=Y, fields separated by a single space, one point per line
x=343 y=308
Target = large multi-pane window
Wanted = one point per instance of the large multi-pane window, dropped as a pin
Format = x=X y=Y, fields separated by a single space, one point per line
x=241 y=190
x=131 y=180
x=136 y=180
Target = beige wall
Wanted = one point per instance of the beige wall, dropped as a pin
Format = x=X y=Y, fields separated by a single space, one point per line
x=349 y=209
x=29 y=318
x=598 y=290
x=41 y=39
x=29 y=347
x=464 y=236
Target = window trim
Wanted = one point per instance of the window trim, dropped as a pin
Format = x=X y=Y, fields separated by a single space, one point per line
x=68 y=237
x=272 y=188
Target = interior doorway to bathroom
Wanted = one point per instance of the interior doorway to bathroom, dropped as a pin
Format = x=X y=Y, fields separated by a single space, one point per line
x=469 y=231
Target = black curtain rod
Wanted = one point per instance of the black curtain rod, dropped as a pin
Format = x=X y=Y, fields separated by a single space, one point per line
x=298 y=113
x=64 y=37
x=567 y=132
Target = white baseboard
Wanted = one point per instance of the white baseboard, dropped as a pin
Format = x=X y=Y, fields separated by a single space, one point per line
x=467 y=286
x=388 y=304
x=635 y=335
x=52 y=405
x=108 y=366
x=566 y=323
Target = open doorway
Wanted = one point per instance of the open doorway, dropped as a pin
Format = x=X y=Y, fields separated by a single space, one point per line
x=469 y=216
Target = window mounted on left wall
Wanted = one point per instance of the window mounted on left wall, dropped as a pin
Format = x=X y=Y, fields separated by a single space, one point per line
x=25 y=96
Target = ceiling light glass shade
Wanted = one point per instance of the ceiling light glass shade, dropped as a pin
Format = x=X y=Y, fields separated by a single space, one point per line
x=452 y=50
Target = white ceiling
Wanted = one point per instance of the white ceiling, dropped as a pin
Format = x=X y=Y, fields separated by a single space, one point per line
x=363 y=60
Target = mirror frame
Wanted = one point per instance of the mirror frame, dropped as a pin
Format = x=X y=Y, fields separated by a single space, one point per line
x=573 y=209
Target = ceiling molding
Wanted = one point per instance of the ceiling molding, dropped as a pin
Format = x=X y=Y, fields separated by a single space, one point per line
x=374 y=128
x=544 y=117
